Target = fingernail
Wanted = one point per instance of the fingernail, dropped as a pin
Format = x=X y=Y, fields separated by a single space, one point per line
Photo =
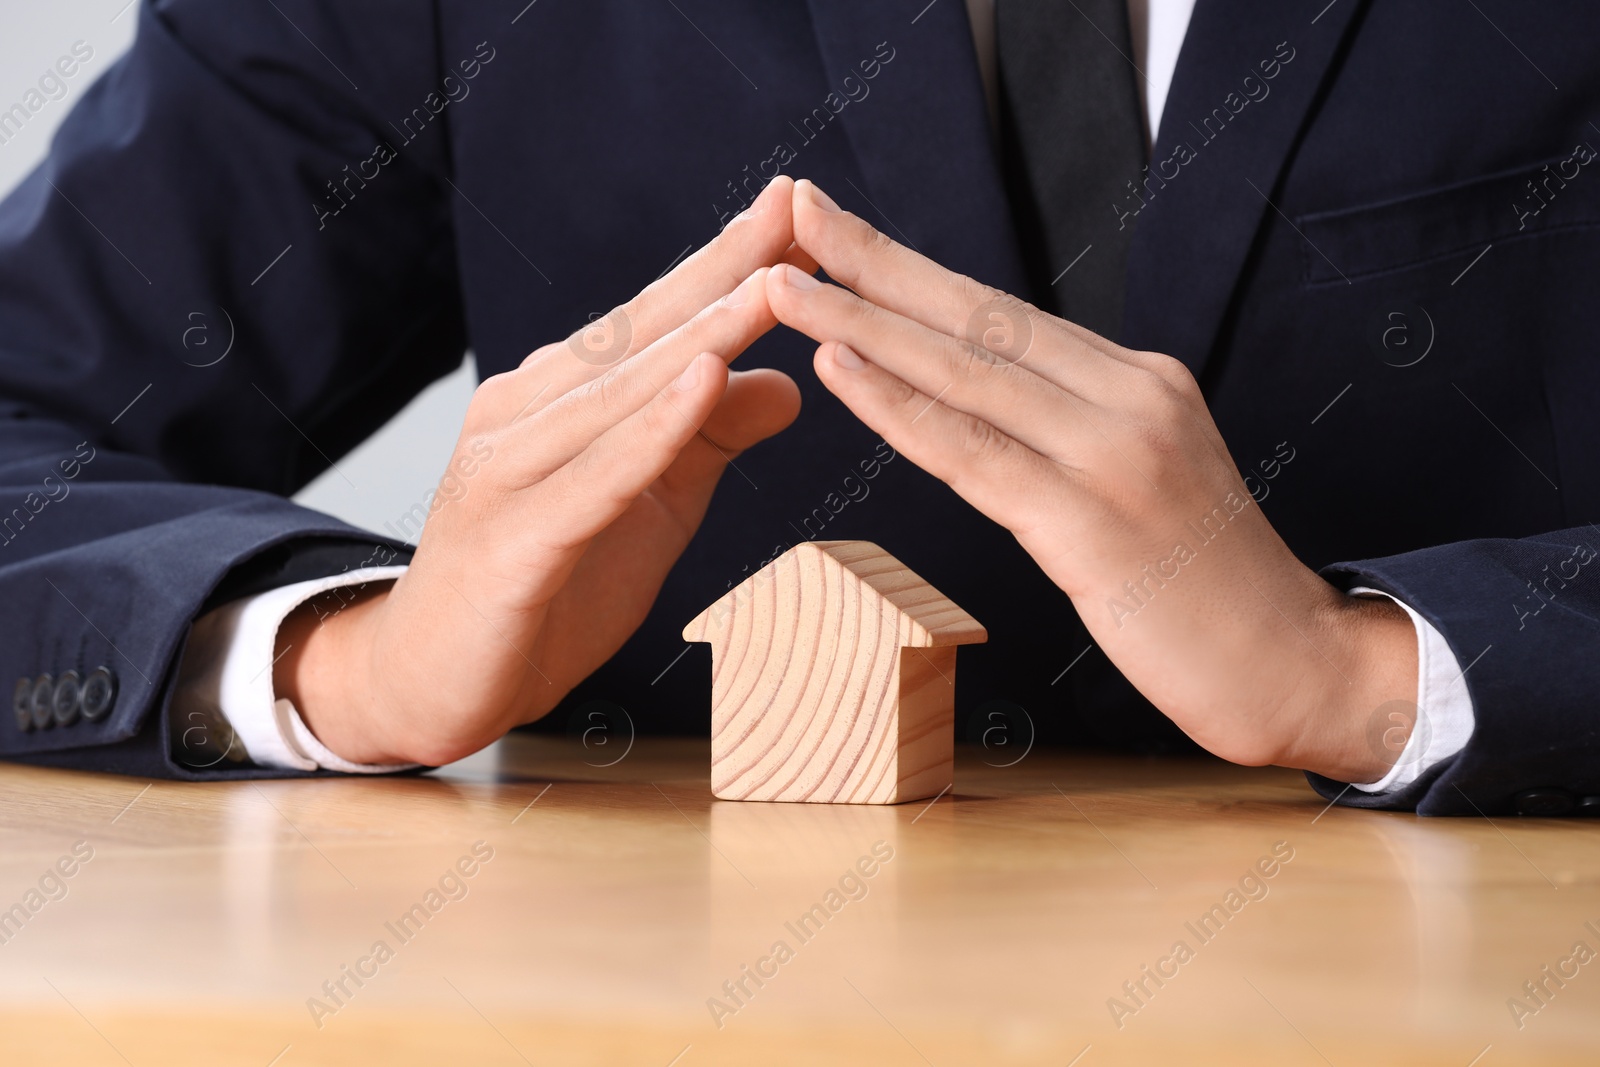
x=846 y=357
x=759 y=204
x=690 y=377
x=740 y=294
x=822 y=199
x=796 y=278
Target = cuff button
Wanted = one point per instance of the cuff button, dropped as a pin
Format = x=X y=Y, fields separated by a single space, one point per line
x=68 y=699
x=99 y=693
x=22 y=704
x=42 y=701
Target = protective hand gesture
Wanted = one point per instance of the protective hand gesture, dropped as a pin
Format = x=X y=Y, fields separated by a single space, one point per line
x=591 y=466
x=1106 y=465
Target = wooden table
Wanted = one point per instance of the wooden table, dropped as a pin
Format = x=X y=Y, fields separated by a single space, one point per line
x=607 y=906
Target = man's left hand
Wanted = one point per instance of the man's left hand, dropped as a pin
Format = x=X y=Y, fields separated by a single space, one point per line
x=1109 y=470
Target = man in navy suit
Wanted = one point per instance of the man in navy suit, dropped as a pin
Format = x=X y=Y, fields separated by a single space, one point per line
x=1187 y=309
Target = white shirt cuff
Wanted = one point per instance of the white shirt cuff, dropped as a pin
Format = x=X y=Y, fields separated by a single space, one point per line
x=224 y=706
x=1445 y=717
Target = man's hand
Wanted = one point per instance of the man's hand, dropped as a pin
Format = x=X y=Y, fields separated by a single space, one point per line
x=1109 y=470
x=591 y=466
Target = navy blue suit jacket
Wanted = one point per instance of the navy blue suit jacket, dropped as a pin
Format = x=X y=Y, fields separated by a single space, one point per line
x=1336 y=233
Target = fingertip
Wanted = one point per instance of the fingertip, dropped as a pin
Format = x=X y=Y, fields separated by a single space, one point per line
x=771 y=210
x=757 y=404
x=754 y=283
x=780 y=393
x=775 y=285
x=821 y=200
x=790 y=276
x=787 y=287
x=750 y=298
x=782 y=191
x=835 y=358
x=812 y=230
x=780 y=187
x=767 y=318
x=828 y=371
x=845 y=357
x=715 y=373
x=698 y=372
x=803 y=204
x=798 y=257
x=789 y=389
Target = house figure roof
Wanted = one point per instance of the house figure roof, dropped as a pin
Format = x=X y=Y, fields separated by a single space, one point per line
x=925 y=617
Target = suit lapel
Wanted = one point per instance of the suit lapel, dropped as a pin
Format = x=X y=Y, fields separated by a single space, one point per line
x=1192 y=237
x=930 y=176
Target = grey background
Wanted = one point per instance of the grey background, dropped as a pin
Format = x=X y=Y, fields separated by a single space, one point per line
x=393 y=469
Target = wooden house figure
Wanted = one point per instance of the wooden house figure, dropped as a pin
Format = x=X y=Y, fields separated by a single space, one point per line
x=833 y=679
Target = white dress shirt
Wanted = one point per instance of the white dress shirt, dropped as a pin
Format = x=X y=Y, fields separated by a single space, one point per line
x=225 y=707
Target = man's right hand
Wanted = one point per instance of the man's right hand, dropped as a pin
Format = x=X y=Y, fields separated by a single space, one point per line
x=592 y=466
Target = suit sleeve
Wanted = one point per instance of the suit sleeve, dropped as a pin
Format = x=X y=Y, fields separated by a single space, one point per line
x=228 y=271
x=1522 y=617
x=225 y=709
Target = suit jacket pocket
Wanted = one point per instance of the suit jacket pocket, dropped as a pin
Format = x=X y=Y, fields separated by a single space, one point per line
x=1425 y=227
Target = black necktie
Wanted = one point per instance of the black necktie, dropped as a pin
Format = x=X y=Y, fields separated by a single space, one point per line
x=1073 y=137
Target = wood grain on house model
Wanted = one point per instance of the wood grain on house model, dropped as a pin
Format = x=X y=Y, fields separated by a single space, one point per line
x=833 y=679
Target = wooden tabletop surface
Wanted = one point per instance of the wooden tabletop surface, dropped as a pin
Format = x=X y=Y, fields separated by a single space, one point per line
x=528 y=906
